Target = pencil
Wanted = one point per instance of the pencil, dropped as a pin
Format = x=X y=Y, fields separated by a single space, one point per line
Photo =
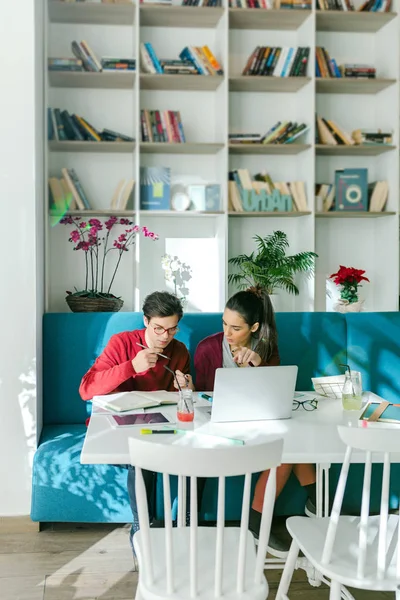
x=146 y=348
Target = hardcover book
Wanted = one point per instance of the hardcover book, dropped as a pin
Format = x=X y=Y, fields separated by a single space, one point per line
x=351 y=190
x=155 y=188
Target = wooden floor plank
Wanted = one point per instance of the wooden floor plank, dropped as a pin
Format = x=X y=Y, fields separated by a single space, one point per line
x=22 y=588
x=95 y=563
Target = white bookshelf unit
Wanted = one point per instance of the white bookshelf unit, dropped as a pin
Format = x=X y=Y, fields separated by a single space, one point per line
x=211 y=107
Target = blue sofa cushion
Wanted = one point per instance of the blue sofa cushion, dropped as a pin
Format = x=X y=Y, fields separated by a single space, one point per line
x=64 y=490
x=373 y=347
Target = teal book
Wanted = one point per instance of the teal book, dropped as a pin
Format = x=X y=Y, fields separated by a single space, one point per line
x=155 y=188
x=351 y=190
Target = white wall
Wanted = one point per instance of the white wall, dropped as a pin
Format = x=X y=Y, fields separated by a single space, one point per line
x=20 y=253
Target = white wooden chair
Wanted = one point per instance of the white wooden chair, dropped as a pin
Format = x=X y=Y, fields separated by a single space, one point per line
x=202 y=562
x=360 y=552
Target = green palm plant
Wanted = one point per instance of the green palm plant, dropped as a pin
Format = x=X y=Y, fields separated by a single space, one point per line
x=269 y=267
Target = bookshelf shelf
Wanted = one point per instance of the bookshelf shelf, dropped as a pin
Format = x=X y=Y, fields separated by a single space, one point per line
x=96 y=213
x=180 y=16
x=355 y=22
x=85 y=79
x=180 y=82
x=255 y=83
x=91 y=13
x=351 y=85
x=279 y=149
x=274 y=214
x=104 y=147
x=367 y=150
x=180 y=215
x=183 y=148
x=250 y=18
x=353 y=215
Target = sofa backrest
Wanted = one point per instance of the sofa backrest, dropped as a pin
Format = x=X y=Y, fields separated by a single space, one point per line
x=316 y=342
x=373 y=345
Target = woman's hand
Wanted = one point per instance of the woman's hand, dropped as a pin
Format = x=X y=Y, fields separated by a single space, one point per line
x=243 y=356
x=185 y=381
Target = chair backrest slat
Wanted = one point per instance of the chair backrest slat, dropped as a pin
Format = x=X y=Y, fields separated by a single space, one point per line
x=243 y=534
x=168 y=534
x=383 y=521
x=193 y=537
x=219 y=546
x=363 y=536
x=181 y=502
x=265 y=527
x=190 y=461
x=143 y=513
x=337 y=505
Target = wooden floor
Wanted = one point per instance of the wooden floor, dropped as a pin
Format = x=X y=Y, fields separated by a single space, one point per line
x=94 y=562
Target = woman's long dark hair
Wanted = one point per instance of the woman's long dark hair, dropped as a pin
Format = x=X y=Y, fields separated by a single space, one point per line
x=254 y=306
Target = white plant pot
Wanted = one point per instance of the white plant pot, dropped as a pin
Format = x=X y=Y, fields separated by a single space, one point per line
x=343 y=306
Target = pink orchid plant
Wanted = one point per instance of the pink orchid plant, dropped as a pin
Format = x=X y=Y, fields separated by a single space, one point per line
x=95 y=239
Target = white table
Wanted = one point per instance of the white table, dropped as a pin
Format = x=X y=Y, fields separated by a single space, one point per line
x=309 y=437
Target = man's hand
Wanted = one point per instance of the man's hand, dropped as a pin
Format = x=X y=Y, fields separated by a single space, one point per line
x=145 y=359
x=185 y=381
x=243 y=356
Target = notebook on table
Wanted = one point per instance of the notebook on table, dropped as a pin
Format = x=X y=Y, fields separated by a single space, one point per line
x=381 y=412
x=127 y=401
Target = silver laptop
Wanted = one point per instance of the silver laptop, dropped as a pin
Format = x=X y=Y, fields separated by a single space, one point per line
x=253 y=394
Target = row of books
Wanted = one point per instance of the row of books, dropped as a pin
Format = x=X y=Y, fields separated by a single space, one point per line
x=277 y=62
x=63 y=126
x=332 y=197
x=108 y=64
x=327 y=67
x=329 y=133
x=284 y=132
x=194 y=60
x=162 y=126
x=240 y=181
x=67 y=193
x=368 y=6
x=272 y=4
x=185 y=2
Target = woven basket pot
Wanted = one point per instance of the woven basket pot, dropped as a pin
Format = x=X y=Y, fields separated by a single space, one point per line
x=82 y=304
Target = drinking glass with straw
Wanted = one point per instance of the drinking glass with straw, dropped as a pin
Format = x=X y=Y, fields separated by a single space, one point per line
x=352 y=390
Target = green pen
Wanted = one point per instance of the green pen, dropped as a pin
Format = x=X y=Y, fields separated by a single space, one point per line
x=154 y=431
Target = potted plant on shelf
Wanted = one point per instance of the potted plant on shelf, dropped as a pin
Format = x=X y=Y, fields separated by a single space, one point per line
x=98 y=244
x=349 y=280
x=270 y=267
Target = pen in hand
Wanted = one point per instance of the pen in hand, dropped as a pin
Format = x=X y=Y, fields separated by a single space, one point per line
x=158 y=353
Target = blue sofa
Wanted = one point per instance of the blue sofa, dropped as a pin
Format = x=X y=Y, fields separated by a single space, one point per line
x=64 y=490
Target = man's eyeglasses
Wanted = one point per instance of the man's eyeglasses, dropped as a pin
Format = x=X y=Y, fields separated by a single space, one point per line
x=158 y=330
x=306 y=404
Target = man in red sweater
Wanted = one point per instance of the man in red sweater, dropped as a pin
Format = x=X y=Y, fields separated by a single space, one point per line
x=125 y=366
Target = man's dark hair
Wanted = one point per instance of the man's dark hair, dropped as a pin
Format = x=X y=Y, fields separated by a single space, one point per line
x=162 y=304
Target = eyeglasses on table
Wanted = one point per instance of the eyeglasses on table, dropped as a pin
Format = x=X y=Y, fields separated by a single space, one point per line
x=311 y=404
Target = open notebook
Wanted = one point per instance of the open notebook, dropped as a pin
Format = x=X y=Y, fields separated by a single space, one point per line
x=125 y=401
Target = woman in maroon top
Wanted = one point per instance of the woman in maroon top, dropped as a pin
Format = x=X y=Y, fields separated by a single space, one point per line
x=250 y=336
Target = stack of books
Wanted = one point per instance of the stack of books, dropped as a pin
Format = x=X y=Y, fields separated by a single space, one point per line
x=327 y=199
x=64 y=64
x=241 y=181
x=358 y=70
x=277 y=62
x=162 y=126
x=110 y=64
x=62 y=126
x=281 y=133
x=194 y=60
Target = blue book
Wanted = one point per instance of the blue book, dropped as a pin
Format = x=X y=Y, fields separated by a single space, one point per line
x=155 y=188
x=390 y=413
x=153 y=57
x=351 y=190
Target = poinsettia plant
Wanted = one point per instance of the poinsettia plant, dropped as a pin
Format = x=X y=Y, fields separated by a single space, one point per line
x=98 y=242
x=349 y=279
